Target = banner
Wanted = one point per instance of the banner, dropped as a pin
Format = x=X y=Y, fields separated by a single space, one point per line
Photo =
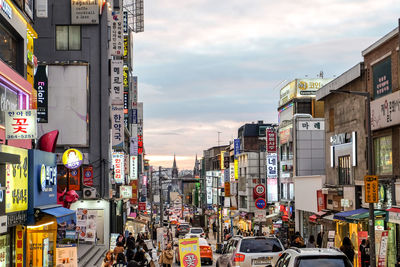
x=117 y=86
x=189 y=252
x=74 y=179
x=118 y=167
x=117 y=38
x=117 y=125
x=236 y=147
x=88 y=176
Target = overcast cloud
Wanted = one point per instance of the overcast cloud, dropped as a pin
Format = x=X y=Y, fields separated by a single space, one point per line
x=210 y=66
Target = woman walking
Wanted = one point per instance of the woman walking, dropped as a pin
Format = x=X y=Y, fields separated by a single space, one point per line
x=311 y=242
x=348 y=249
x=167 y=256
x=108 y=259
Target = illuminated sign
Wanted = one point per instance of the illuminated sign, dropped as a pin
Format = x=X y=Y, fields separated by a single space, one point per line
x=272 y=165
x=21 y=124
x=6 y=8
x=72 y=158
x=125 y=191
x=118 y=159
x=140 y=144
x=48 y=178
x=309 y=87
x=133 y=168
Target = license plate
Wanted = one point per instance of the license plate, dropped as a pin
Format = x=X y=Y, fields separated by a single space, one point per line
x=261 y=261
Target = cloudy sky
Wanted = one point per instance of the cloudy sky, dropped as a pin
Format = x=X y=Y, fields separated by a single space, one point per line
x=207 y=66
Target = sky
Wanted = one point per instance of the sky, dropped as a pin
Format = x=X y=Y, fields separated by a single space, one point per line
x=207 y=66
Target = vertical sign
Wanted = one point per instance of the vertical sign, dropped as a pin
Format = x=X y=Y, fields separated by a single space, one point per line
x=134 y=91
x=117 y=39
x=271 y=141
x=222 y=160
x=236 y=147
x=118 y=134
x=133 y=146
x=383 y=249
x=371 y=188
x=272 y=163
x=88 y=176
x=382 y=77
x=41 y=86
x=272 y=189
x=19 y=247
x=117 y=91
x=189 y=252
x=133 y=169
x=118 y=167
x=321 y=201
x=125 y=22
x=140 y=145
x=232 y=171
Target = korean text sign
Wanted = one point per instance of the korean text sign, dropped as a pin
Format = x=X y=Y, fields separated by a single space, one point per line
x=118 y=166
x=189 y=252
x=21 y=124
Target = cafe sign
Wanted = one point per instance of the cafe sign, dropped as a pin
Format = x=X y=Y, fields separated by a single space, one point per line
x=21 y=124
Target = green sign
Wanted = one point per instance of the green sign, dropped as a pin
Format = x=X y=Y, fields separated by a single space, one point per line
x=382 y=77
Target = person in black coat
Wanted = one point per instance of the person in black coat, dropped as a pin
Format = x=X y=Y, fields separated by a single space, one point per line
x=348 y=249
x=130 y=241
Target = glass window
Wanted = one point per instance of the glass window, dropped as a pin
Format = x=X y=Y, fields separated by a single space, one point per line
x=344 y=170
x=8 y=48
x=258 y=245
x=332 y=262
x=383 y=155
x=68 y=37
x=5 y=250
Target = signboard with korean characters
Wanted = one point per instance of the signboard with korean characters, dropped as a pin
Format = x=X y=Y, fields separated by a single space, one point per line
x=118 y=167
x=84 y=12
x=133 y=174
x=21 y=124
x=125 y=191
x=310 y=125
x=382 y=77
x=309 y=87
x=271 y=141
x=117 y=125
x=272 y=165
x=117 y=37
x=385 y=111
x=117 y=82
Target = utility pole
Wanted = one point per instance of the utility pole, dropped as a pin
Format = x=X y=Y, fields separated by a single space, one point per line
x=151 y=203
x=218 y=223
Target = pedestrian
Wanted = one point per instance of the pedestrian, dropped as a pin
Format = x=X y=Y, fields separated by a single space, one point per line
x=139 y=255
x=130 y=241
x=348 y=249
x=119 y=249
x=239 y=232
x=311 y=242
x=108 y=259
x=363 y=252
x=121 y=261
x=120 y=239
x=167 y=256
x=214 y=227
x=319 y=239
x=298 y=241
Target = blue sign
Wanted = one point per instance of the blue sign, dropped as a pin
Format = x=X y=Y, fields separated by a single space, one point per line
x=236 y=147
x=133 y=116
x=261 y=203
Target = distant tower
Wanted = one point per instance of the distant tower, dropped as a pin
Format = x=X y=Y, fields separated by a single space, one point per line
x=196 y=170
x=174 y=169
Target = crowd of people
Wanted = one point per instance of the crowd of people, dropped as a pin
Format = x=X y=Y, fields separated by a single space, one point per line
x=129 y=252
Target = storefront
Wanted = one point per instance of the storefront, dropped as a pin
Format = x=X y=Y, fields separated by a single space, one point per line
x=49 y=225
x=93 y=215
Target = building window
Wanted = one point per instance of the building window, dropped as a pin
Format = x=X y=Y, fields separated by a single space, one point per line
x=383 y=155
x=68 y=37
x=11 y=49
x=243 y=202
x=344 y=170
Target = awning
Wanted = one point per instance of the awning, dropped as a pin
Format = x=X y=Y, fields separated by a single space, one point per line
x=315 y=216
x=364 y=215
x=342 y=215
x=329 y=217
x=62 y=214
x=394 y=210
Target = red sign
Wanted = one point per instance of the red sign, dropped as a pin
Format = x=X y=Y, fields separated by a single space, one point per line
x=259 y=191
x=271 y=141
x=140 y=144
x=260 y=203
x=134 y=199
x=142 y=206
x=361 y=235
x=74 y=179
x=321 y=200
x=88 y=176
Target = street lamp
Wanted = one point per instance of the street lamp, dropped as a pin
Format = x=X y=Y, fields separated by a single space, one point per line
x=371 y=225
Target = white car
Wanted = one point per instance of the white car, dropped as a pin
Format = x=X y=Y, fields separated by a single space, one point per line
x=311 y=257
x=195 y=232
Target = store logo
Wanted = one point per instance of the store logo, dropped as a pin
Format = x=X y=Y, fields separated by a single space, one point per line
x=6 y=8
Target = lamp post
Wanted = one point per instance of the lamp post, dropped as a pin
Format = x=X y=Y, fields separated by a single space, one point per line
x=371 y=224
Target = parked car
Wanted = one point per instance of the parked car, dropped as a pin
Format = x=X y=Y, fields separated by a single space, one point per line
x=250 y=251
x=206 y=253
x=311 y=257
x=182 y=229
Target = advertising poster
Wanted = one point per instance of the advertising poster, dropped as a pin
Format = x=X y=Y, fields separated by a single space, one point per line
x=67 y=256
x=113 y=240
x=86 y=224
x=189 y=252
x=74 y=179
x=117 y=37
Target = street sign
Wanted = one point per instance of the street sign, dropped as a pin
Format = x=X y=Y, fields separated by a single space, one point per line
x=259 y=190
x=371 y=188
x=260 y=203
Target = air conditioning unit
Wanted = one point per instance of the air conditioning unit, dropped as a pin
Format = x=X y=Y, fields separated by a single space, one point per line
x=89 y=193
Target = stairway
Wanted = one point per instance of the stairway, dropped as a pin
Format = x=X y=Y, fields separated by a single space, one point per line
x=91 y=255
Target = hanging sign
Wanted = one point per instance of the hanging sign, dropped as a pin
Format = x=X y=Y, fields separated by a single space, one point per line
x=272 y=165
x=41 y=86
x=88 y=176
x=371 y=188
x=125 y=191
x=118 y=166
x=21 y=124
x=72 y=158
x=117 y=38
x=271 y=141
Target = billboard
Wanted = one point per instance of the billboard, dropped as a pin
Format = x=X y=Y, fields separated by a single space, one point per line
x=382 y=77
x=117 y=125
x=309 y=87
x=117 y=90
x=287 y=93
x=385 y=111
x=67 y=112
x=272 y=165
x=84 y=12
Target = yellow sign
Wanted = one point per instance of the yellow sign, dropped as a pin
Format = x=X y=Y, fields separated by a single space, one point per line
x=236 y=169
x=371 y=188
x=72 y=158
x=189 y=252
x=16 y=180
x=222 y=160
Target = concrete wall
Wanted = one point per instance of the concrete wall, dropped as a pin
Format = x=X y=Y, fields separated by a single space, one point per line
x=95 y=52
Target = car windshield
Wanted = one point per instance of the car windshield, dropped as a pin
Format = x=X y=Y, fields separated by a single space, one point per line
x=196 y=231
x=183 y=226
x=203 y=242
x=326 y=262
x=256 y=245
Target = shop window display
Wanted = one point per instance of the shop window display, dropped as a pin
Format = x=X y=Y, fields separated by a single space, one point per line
x=383 y=155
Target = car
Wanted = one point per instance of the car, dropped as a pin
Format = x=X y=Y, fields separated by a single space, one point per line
x=182 y=229
x=198 y=231
x=250 y=251
x=313 y=257
x=173 y=220
x=206 y=253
